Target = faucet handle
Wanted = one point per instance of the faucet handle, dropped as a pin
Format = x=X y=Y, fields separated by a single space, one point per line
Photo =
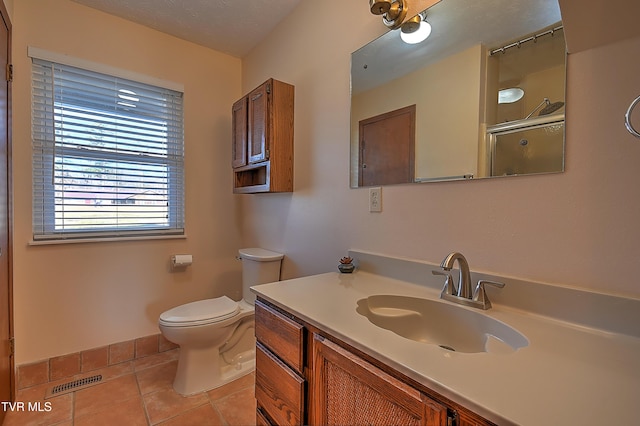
x=449 y=286
x=480 y=295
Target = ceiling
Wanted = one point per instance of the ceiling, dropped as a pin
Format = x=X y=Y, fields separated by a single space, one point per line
x=230 y=26
x=457 y=25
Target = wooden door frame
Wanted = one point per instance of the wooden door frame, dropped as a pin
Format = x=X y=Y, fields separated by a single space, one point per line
x=4 y=14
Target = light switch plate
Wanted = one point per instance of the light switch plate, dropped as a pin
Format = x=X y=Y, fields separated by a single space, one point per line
x=375 y=199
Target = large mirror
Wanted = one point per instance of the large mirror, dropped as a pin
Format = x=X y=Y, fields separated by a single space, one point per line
x=482 y=96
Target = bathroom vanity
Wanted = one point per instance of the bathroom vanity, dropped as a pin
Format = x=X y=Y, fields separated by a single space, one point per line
x=321 y=360
x=345 y=386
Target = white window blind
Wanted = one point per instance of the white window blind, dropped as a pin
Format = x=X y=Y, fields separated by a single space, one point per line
x=108 y=155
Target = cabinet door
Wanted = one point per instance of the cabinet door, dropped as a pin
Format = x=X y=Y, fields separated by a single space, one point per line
x=348 y=390
x=239 y=136
x=258 y=135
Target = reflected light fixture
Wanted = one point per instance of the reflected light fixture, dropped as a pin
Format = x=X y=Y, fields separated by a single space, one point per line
x=128 y=98
x=510 y=95
x=393 y=11
x=415 y=30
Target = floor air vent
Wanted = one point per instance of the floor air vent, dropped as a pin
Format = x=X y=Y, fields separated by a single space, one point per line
x=73 y=386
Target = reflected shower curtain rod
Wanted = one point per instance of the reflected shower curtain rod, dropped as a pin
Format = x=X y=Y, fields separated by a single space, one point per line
x=533 y=38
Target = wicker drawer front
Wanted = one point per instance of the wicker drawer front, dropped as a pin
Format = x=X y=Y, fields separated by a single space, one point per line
x=283 y=336
x=348 y=390
x=279 y=390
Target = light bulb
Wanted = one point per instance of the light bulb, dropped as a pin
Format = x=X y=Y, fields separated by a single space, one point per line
x=421 y=34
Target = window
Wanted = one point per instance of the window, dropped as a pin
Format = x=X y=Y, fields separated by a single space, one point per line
x=108 y=155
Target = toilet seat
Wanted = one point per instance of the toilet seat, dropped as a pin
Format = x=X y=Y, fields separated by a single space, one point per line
x=201 y=312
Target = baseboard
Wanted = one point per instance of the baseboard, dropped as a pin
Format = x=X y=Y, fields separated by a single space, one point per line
x=66 y=366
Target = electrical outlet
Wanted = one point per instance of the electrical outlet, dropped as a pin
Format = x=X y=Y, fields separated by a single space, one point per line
x=375 y=199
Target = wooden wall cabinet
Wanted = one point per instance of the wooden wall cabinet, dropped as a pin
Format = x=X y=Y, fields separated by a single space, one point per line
x=262 y=139
x=305 y=376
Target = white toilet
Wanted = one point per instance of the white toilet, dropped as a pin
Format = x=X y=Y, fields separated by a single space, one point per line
x=216 y=336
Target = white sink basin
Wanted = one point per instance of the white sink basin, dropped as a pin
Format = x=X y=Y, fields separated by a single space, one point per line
x=451 y=327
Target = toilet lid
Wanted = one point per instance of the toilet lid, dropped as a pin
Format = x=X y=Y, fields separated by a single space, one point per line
x=217 y=309
x=259 y=254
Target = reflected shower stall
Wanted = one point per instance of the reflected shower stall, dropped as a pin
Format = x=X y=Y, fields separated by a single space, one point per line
x=527 y=146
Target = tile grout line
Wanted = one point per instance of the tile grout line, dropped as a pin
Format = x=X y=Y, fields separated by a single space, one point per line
x=144 y=406
x=147 y=415
x=215 y=408
x=182 y=413
x=73 y=408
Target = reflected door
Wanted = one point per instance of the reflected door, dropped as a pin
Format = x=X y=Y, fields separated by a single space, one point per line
x=387 y=148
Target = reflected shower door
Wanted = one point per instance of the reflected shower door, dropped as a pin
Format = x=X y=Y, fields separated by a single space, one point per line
x=527 y=151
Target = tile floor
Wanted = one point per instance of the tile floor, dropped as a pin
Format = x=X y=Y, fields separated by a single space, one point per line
x=135 y=393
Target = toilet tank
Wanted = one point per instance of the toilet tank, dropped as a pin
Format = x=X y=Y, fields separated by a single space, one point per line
x=259 y=266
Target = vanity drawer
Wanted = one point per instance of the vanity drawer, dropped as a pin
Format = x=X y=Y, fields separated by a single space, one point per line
x=261 y=419
x=283 y=336
x=279 y=390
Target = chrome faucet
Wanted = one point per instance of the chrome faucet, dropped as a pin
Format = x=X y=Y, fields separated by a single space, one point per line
x=464 y=275
x=464 y=294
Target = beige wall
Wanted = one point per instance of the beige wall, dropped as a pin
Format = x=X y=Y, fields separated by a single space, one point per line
x=548 y=83
x=579 y=228
x=78 y=296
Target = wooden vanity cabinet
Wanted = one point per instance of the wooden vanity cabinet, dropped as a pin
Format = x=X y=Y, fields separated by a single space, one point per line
x=306 y=376
x=262 y=139
x=280 y=382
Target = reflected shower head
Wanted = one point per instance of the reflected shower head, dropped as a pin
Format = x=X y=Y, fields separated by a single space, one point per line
x=548 y=109
x=551 y=107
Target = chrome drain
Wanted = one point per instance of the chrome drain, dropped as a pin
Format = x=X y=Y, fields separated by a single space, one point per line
x=73 y=386
x=449 y=348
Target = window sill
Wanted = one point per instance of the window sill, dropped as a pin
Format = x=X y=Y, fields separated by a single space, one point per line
x=104 y=240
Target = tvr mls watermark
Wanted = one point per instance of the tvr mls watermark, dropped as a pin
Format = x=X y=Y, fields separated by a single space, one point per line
x=29 y=406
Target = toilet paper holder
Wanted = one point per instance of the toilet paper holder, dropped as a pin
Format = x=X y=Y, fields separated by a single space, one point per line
x=181 y=261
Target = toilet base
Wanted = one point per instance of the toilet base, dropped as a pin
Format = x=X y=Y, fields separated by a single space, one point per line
x=245 y=366
x=217 y=373
x=202 y=369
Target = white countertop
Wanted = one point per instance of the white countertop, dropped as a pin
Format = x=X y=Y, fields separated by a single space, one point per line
x=567 y=375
